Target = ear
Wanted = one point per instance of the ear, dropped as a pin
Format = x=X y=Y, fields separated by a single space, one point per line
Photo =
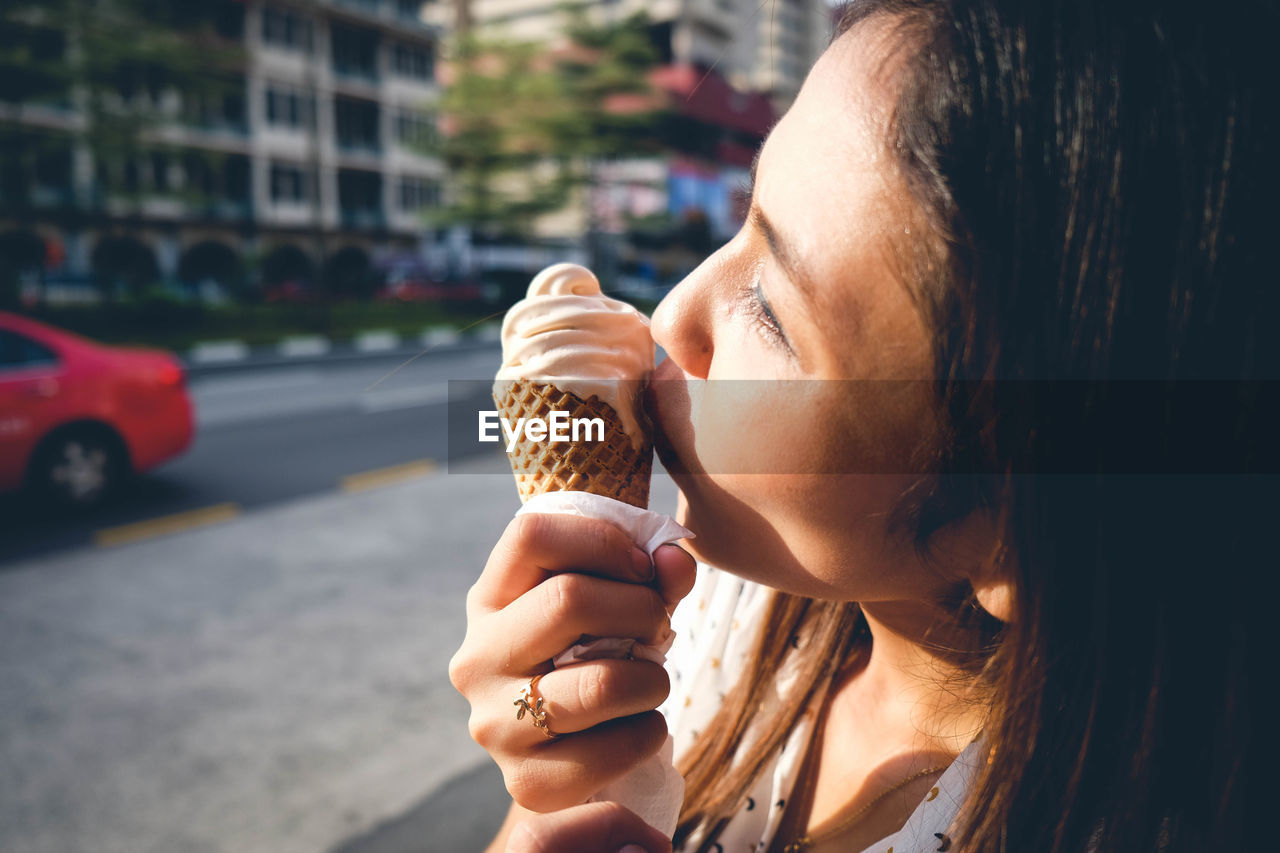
x=978 y=555
x=993 y=583
x=996 y=598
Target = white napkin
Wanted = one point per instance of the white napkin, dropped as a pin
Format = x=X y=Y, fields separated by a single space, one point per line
x=654 y=790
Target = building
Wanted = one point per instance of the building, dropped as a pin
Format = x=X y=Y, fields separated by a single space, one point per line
x=765 y=46
x=727 y=68
x=309 y=159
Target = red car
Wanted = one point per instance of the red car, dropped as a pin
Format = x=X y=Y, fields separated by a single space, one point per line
x=76 y=417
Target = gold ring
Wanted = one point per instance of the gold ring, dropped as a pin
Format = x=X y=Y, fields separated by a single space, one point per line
x=529 y=702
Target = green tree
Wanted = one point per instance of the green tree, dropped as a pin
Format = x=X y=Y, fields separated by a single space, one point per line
x=524 y=124
x=609 y=104
x=496 y=115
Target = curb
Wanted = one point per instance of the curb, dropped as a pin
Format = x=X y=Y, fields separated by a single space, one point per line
x=229 y=355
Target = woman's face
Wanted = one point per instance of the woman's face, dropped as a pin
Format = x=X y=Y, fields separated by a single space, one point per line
x=807 y=303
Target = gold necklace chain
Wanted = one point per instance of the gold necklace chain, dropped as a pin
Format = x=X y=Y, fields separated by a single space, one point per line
x=804 y=842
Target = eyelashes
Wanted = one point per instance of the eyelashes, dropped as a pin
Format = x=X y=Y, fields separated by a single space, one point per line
x=763 y=317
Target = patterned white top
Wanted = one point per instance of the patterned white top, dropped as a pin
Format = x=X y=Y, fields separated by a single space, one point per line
x=715 y=628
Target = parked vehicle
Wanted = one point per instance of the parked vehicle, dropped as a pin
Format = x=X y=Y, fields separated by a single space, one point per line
x=77 y=417
x=429 y=290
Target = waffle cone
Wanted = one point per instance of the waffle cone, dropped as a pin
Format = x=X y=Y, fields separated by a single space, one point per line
x=614 y=467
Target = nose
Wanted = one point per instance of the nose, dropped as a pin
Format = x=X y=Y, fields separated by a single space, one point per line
x=682 y=322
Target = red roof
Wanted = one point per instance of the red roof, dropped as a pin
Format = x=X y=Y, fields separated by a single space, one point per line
x=708 y=97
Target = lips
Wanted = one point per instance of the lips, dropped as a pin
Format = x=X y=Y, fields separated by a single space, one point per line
x=666 y=402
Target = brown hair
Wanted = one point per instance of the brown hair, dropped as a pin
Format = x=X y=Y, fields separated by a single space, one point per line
x=1098 y=177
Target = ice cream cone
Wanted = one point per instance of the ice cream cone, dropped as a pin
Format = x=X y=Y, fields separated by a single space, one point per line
x=614 y=468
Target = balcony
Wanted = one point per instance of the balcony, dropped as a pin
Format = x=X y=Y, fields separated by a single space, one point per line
x=362 y=218
x=402 y=14
x=359 y=148
x=350 y=72
x=220 y=129
x=229 y=210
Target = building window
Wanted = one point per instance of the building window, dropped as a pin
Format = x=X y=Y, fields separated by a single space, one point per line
x=286 y=29
x=416 y=130
x=360 y=198
x=160 y=172
x=288 y=184
x=355 y=52
x=418 y=194
x=413 y=61
x=409 y=10
x=356 y=124
x=287 y=107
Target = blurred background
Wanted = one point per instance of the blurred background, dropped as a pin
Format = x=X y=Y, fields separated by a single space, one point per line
x=244 y=246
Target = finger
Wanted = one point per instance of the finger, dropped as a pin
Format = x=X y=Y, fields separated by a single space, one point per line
x=590 y=828
x=675 y=572
x=567 y=771
x=582 y=695
x=555 y=614
x=536 y=545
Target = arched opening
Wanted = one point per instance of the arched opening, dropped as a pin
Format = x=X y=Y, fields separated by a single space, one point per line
x=211 y=266
x=288 y=275
x=124 y=264
x=349 y=273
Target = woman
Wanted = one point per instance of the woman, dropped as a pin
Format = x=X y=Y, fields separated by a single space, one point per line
x=1004 y=272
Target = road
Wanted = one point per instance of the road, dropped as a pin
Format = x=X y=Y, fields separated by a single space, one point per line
x=270 y=434
x=272 y=677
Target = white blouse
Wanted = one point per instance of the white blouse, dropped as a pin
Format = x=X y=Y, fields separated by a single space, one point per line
x=715 y=628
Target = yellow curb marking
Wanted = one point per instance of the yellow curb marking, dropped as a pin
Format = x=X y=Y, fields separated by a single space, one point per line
x=109 y=537
x=387 y=476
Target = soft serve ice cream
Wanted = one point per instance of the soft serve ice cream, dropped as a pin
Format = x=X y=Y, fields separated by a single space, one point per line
x=566 y=347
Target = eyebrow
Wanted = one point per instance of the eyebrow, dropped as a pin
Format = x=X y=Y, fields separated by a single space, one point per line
x=777 y=246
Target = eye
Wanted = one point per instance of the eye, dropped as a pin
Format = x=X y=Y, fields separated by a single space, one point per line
x=765 y=319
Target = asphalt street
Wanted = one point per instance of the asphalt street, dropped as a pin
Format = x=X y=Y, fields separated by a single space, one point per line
x=273 y=433
x=270 y=677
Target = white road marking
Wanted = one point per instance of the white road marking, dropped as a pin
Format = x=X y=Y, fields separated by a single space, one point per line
x=404 y=398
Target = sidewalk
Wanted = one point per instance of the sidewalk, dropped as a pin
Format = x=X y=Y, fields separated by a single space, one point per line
x=276 y=683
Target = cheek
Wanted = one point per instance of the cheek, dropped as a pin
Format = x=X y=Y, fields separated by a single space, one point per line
x=808 y=427
x=764 y=497
x=825 y=536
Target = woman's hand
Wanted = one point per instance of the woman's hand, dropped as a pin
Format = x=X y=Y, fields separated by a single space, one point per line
x=550 y=580
x=593 y=828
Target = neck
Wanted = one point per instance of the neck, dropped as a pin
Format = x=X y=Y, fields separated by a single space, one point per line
x=908 y=693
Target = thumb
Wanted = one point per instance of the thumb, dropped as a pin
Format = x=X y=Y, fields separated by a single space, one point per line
x=674 y=571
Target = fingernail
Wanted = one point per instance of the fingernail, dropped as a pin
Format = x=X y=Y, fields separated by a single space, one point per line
x=680 y=548
x=632 y=848
x=642 y=564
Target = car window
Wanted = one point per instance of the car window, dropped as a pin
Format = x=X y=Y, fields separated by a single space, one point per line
x=17 y=351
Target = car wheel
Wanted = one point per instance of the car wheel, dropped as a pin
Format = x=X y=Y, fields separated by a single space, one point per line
x=77 y=470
